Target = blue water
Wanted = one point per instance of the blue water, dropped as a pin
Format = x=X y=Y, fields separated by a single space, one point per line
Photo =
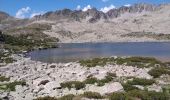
x=78 y=51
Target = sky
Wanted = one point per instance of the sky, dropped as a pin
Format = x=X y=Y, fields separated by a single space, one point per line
x=30 y=8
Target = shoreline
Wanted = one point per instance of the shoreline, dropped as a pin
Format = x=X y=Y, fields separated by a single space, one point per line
x=154 y=41
x=36 y=72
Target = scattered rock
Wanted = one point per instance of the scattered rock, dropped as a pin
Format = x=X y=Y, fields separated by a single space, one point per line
x=43 y=82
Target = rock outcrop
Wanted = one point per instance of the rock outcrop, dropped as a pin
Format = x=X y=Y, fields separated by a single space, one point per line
x=94 y=15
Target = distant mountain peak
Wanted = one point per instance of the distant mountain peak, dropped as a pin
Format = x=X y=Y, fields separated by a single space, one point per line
x=96 y=14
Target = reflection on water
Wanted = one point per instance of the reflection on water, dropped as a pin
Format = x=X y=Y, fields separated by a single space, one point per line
x=77 y=51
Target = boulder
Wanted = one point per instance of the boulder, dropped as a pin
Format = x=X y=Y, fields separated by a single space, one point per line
x=106 y=89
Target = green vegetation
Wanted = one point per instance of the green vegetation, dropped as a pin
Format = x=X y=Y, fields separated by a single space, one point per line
x=25 y=42
x=140 y=81
x=91 y=80
x=92 y=95
x=102 y=82
x=11 y=86
x=158 y=71
x=96 y=62
x=127 y=87
x=118 y=96
x=27 y=38
x=139 y=95
x=5 y=57
x=46 y=98
x=149 y=35
x=73 y=84
x=130 y=95
x=139 y=62
x=3 y=78
x=67 y=97
x=79 y=85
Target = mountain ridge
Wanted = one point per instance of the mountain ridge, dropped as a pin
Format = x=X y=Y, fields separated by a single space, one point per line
x=124 y=24
x=96 y=14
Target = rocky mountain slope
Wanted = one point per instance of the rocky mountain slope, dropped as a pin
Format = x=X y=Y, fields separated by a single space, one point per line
x=95 y=15
x=124 y=24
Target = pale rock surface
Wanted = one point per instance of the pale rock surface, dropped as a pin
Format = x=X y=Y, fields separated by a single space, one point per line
x=106 y=89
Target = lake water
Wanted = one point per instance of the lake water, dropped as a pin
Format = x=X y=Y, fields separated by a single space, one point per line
x=78 y=51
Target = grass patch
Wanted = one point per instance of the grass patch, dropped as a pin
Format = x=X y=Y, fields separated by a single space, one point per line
x=140 y=81
x=139 y=95
x=5 y=57
x=46 y=98
x=128 y=87
x=32 y=39
x=92 y=80
x=156 y=36
x=73 y=84
x=139 y=62
x=130 y=95
x=11 y=86
x=67 y=97
x=118 y=96
x=158 y=71
x=102 y=82
x=3 y=78
x=92 y=95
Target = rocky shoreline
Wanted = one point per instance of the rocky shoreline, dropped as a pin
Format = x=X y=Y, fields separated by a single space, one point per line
x=44 y=79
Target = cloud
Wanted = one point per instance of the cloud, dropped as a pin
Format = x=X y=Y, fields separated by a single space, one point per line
x=127 y=5
x=21 y=13
x=106 y=9
x=36 y=13
x=78 y=7
x=105 y=0
x=27 y=12
x=86 y=8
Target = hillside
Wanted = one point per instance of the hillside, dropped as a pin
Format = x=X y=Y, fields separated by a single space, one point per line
x=137 y=23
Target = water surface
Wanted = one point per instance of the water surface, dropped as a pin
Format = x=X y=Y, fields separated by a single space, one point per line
x=77 y=51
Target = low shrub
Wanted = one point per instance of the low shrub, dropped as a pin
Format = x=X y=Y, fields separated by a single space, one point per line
x=140 y=81
x=128 y=87
x=3 y=78
x=138 y=94
x=102 y=82
x=67 y=97
x=118 y=96
x=92 y=95
x=91 y=80
x=73 y=84
x=157 y=72
x=148 y=95
x=46 y=98
x=139 y=62
x=11 y=86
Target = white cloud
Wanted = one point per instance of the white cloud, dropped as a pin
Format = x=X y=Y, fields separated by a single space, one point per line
x=27 y=12
x=106 y=9
x=36 y=13
x=86 y=8
x=127 y=5
x=78 y=7
x=105 y=0
x=21 y=13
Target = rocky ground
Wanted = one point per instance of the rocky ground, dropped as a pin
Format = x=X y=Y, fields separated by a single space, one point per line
x=44 y=79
